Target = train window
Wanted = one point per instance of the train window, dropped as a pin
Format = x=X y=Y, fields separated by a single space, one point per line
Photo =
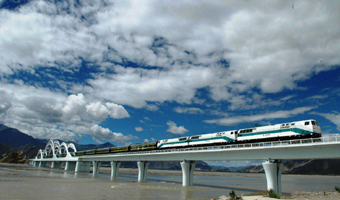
x=292 y=124
x=180 y=139
x=194 y=137
x=232 y=133
x=313 y=123
x=306 y=123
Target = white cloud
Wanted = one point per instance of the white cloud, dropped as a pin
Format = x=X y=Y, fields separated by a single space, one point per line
x=333 y=117
x=136 y=86
x=255 y=118
x=145 y=141
x=189 y=110
x=139 y=129
x=106 y=134
x=173 y=128
x=100 y=111
x=269 y=46
x=48 y=114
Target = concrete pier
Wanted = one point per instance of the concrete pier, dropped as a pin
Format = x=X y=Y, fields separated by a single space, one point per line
x=114 y=169
x=42 y=164
x=83 y=166
x=70 y=165
x=96 y=167
x=273 y=170
x=188 y=168
x=142 y=170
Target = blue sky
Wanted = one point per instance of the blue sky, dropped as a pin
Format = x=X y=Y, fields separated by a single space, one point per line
x=127 y=72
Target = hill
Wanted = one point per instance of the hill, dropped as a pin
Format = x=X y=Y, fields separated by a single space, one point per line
x=322 y=167
x=14 y=137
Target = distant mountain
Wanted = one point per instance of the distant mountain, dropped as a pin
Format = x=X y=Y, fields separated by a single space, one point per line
x=16 y=138
x=82 y=147
x=12 y=140
x=170 y=165
x=322 y=167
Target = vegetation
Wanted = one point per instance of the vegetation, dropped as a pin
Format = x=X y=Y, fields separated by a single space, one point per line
x=273 y=194
x=337 y=189
x=233 y=195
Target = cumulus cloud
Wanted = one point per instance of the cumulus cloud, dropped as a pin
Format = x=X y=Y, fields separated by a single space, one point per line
x=100 y=111
x=284 y=46
x=174 y=129
x=45 y=114
x=255 y=118
x=106 y=134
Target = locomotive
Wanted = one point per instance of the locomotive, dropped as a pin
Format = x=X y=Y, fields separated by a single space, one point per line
x=277 y=132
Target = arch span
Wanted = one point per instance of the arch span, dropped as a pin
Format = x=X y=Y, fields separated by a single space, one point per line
x=54 y=149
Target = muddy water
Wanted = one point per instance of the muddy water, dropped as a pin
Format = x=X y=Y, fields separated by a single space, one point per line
x=26 y=182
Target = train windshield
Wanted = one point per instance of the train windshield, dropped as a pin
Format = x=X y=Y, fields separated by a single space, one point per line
x=315 y=123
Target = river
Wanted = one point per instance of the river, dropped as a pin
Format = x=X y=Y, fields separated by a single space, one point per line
x=28 y=182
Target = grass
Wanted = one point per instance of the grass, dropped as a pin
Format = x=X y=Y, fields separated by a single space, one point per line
x=233 y=195
x=273 y=194
x=337 y=189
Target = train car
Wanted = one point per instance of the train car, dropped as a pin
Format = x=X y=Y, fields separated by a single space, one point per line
x=103 y=151
x=143 y=147
x=119 y=149
x=80 y=153
x=173 y=143
x=90 y=152
x=219 y=138
x=307 y=128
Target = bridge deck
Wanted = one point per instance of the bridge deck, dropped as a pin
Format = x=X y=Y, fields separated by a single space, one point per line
x=313 y=148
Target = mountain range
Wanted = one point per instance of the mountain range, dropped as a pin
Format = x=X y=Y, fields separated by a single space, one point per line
x=12 y=140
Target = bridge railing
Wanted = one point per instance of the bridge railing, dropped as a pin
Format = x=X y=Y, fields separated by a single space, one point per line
x=248 y=145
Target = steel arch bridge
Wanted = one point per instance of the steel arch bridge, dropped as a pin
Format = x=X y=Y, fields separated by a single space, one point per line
x=54 y=149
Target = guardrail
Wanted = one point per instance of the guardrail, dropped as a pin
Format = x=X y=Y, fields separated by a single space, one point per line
x=247 y=145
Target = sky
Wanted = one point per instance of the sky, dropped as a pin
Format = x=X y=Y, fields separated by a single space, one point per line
x=126 y=72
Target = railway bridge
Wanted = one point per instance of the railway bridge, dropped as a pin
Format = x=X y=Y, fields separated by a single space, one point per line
x=272 y=152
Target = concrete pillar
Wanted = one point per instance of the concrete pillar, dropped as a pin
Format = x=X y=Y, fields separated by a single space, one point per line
x=42 y=164
x=273 y=170
x=52 y=164
x=188 y=168
x=82 y=166
x=142 y=170
x=96 y=166
x=70 y=165
x=114 y=169
x=57 y=164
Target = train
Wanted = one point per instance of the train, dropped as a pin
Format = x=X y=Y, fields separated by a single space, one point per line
x=278 y=132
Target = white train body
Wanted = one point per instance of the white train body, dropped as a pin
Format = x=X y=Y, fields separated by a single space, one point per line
x=307 y=128
x=200 y=140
